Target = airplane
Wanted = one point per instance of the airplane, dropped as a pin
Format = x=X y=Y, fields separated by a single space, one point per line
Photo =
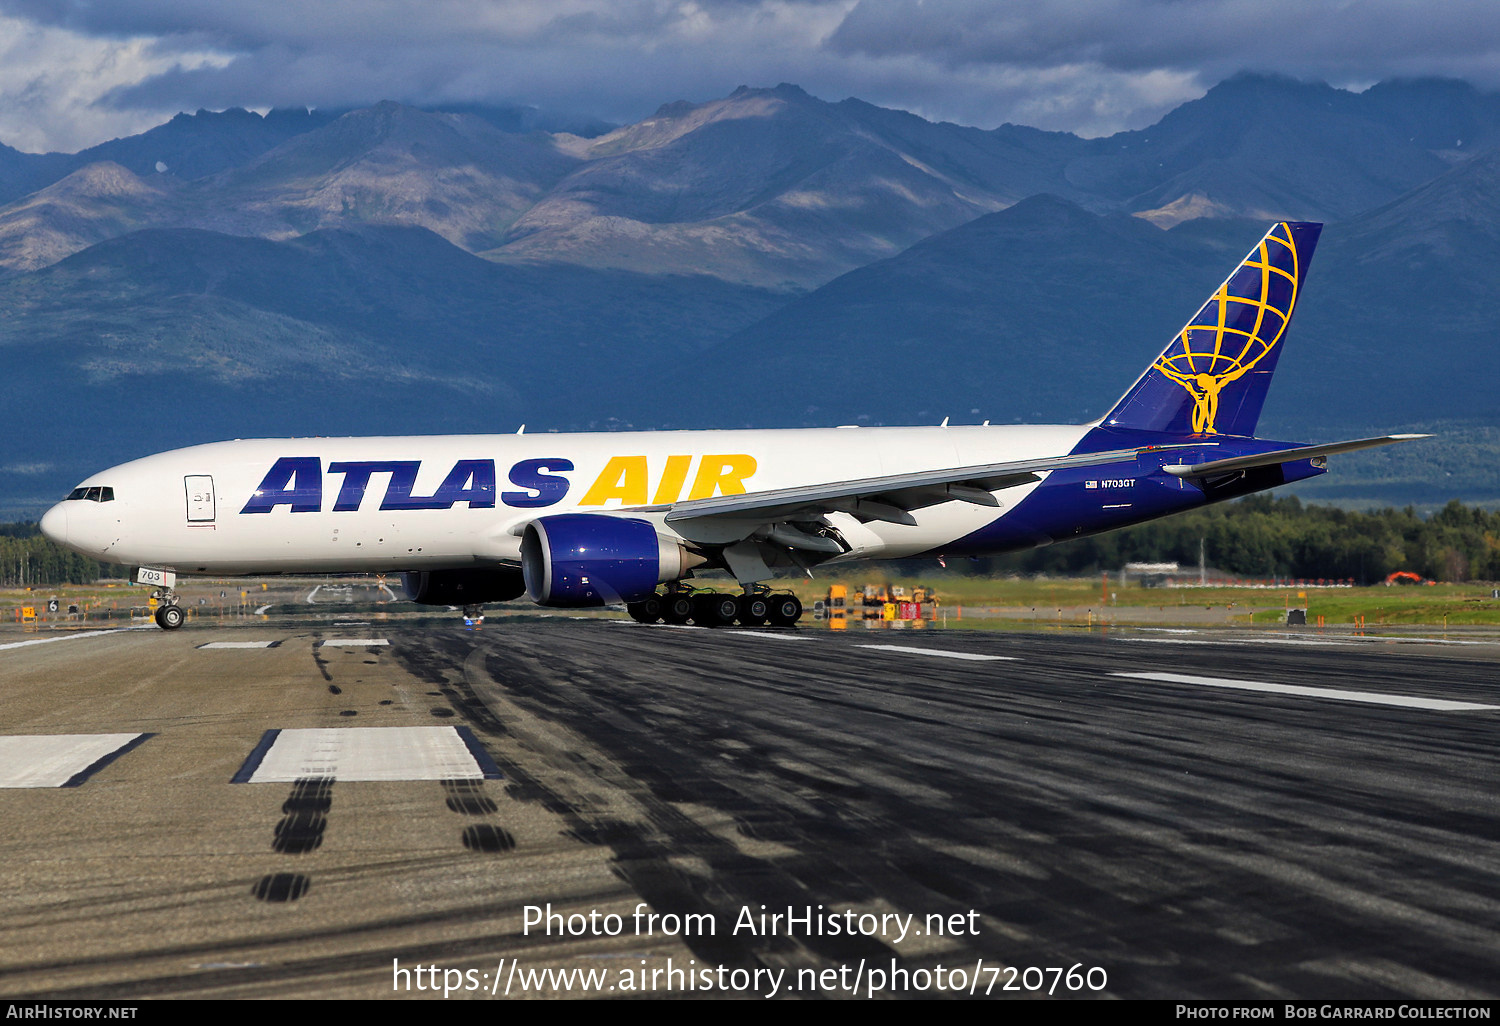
x=594 y=519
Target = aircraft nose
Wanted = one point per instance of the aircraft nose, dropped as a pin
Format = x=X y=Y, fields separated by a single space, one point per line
x=55 y=524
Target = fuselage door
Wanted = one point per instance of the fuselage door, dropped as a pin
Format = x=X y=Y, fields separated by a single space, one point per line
x=200 y=498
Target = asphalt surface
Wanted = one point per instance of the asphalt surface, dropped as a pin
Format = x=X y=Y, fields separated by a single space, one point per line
x=1182 y=837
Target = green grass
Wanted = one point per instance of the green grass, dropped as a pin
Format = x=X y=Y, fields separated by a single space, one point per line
x=1415 y=604
x=1453 y=604
x=122 y=594
x=1440 y=604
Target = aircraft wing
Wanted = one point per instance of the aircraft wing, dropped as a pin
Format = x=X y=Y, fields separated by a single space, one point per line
x=891 y=497
x=1267 y=459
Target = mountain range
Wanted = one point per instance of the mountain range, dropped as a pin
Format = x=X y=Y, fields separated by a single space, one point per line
x=767 y=258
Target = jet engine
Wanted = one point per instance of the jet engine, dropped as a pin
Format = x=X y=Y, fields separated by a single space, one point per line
x=586 y=559
x=462 y=587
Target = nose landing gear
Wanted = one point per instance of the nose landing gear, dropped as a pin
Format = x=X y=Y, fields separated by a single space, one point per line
x=169 y=615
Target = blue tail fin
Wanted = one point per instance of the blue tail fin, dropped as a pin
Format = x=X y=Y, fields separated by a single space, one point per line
x=1213 y=377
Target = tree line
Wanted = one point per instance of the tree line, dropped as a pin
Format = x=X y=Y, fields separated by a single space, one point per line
x=1259 y=536
x=1265 y=536
x=27 y=560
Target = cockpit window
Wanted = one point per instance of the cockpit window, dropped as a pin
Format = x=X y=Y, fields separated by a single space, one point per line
x=98 y=493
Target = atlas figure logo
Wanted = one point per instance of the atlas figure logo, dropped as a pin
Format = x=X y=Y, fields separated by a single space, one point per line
x=1238 y=328
x=297 y=482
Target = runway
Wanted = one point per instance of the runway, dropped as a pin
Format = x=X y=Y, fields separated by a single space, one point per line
x=1193 y=814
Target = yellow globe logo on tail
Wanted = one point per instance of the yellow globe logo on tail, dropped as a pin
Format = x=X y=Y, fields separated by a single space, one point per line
x=1240 y=324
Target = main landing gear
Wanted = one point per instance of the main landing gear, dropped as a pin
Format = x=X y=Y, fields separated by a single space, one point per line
x=754 y=608
x=169 y=615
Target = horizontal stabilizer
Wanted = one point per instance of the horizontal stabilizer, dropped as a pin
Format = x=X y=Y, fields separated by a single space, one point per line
x=1267 y=459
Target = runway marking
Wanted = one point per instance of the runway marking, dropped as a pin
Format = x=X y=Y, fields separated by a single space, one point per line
x=1370 y=697
x=1346 y=642
x=68 y=637
x=353 y=642
x=1295 y=642
x=1293 y=636
x=368 y=753
x=749 y=633
x=59 y=760
x=240 y=644
x=1400 y=640
x=669 y=626
x=761 y=634
x=1283 y=638
x=941 y=653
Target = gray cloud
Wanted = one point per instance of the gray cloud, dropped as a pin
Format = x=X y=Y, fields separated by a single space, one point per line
x=1092 y=66
x=1363 y=40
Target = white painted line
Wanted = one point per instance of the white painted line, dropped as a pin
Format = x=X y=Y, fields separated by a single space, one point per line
x=262 y=610
x=353 y=642
x=1174 y=641
x=670 y=626
x=238 y=644
x=1320 y=638
x=57 y=760
x=1404 y=640
x=941 y=653
x=1343 y=641
x=1410 y=640
x=1294 y=642
x=1304 y=642
x=1370 y=697
x=367 y=753
x=67 y=637
x=724 y=631
x=761 y=634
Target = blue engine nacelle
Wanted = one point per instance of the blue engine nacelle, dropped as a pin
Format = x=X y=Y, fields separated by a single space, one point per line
x=462 y=587
x=586 y=559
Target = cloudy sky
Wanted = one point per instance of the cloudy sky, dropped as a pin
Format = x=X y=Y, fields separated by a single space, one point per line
x=77 y=72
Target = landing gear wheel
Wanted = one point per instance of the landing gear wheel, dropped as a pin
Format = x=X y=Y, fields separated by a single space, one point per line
x=677 y=608
x=169 y=618
x=715 y=610
x=646 y=610
x=754 y=610
x=786 y=609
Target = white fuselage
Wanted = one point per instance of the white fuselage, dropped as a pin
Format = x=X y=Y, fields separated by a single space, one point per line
x=214 y=509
